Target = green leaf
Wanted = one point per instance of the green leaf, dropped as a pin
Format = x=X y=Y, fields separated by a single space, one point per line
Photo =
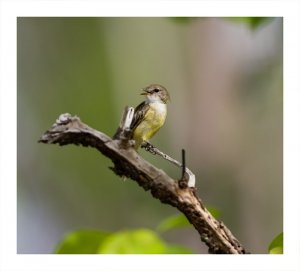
x=173 y=222
x=180 y=221
x=82 y=242
x=276 y=246
x=141 y=241
x=252 y=22
x=175 y=249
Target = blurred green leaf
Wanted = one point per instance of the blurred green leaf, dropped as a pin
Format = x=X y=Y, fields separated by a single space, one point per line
x=173 y=222
x=276 y=246
x=140 y=241
x=174 y=249
x=82 y=242
x=180 y=221
x=252 y=22
x=133 y=242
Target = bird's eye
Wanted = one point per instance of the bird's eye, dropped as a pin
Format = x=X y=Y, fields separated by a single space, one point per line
x=156 y=90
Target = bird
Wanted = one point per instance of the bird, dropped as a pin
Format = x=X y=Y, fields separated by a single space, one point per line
x=150 y=115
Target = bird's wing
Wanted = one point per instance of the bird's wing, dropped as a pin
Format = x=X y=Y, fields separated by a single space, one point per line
x=139 y=113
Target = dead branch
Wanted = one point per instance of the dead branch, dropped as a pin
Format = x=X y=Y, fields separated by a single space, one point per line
x=127 y=162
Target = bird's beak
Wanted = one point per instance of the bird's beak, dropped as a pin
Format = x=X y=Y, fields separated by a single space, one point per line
x=145 y=92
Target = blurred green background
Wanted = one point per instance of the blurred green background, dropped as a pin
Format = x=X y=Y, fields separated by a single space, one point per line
x=225 y=76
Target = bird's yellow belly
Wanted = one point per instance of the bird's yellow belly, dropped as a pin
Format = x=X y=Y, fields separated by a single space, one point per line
x=153 y=121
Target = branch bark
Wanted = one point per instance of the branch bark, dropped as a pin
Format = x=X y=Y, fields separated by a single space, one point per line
x=127 y=162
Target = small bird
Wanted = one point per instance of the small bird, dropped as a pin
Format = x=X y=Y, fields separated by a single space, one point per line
x=150 y=115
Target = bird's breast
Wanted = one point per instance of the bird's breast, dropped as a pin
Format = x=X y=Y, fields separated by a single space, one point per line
x=159 y=108
x=153 y=120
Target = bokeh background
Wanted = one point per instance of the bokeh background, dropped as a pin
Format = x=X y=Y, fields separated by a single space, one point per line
x=225 y=76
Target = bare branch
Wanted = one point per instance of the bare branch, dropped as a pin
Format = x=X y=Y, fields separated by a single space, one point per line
x=188 y=176
x=127 y=162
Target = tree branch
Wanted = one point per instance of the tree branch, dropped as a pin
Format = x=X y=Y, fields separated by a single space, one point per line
x=127 y=162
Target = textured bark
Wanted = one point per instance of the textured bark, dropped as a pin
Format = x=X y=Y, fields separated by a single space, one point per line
x=127 y=162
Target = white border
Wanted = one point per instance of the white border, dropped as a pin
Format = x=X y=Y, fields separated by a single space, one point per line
x=9 y=260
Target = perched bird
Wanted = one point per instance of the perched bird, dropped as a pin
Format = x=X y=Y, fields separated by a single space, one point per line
x=150 y=115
